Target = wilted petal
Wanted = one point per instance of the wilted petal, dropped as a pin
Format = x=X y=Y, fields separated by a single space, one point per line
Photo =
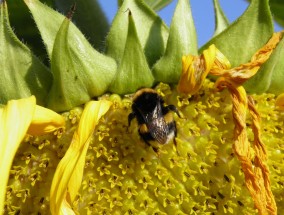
x=15 y=119
x=256 y=174
x=261 y=169
x=195 y=69
x=255 y=170
x=245 y=71
x=68 y=175
x=212 y=61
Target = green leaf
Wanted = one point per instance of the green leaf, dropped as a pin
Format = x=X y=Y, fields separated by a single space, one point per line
x=89 y=18
x=158 y=4
x=182 y=41
x=246 y=35
x=133 y=71
x=277 y=8
x=152 y=31
x=78 y=75
x=270 y=77
x=22 y=73
x=221 y=21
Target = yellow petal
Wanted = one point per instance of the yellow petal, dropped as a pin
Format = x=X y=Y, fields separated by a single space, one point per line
x=195 y=69
x=69 y=172
x=280 y=101
x=186 y=81
x=45 y=121
x=15 y=119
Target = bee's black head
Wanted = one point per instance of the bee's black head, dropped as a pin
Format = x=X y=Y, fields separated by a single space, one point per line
x=147 y=100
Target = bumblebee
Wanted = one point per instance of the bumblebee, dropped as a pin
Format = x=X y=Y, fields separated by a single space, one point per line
x=155 y=119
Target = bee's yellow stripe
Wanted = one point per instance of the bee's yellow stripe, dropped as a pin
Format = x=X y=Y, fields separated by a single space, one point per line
x=143 y=129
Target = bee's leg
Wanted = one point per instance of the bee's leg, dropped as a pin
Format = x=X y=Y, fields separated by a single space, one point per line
x=175 y=142
x=147 y=143
x=174 y=109
x=175 y=145
x=146 y=138
x=156 y=150
x=131 y=116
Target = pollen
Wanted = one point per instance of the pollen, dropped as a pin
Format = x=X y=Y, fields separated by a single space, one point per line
x=123 y=175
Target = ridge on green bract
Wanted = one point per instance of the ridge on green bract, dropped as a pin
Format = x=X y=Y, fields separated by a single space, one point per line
x=123 y=175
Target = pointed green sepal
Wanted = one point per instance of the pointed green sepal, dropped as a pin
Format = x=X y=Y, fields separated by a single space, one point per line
x=152 y=31
x=49 y=21
x=246 y=35
x=89 y=18
x=133 y=71
x=22 y=74
x=182 y=41
x=78 y=76
x=270 y=77
x=221 y=21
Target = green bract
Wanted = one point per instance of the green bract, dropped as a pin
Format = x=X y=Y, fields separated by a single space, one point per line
x=133 y=71
x=22 y=74
x=221 y=21
x=89 y=18
x=80 y=72
x=270 y=77
x=246 y=35
x=181 y=41
x=277 y=8
x=77 y=78
x=152 y=31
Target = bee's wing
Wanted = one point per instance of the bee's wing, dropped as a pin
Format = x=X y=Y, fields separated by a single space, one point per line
x=157 y=125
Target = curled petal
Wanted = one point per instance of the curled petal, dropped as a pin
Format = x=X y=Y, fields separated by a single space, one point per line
x=69 y=172
x=220 y=64
x=195 y=69
x=15 y=119
x=45 y=121
x=187 y=82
